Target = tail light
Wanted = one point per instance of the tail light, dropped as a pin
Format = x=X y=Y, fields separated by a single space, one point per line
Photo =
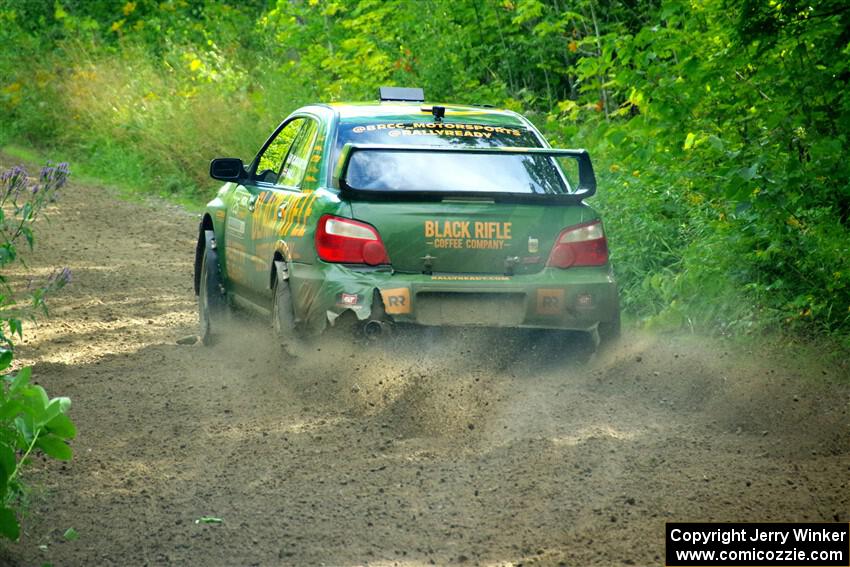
x=348 y=241
x=582 y=245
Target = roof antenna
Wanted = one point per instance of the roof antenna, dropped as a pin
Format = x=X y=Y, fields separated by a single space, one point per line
x=438 y=112
x=401 y=94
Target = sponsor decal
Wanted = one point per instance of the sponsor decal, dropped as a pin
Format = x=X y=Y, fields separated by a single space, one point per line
x=282 y=214
x=550 y=301
x=396 y=301
x=235 y=226
x=476 y=235
x=398 y=129
x=311 y=177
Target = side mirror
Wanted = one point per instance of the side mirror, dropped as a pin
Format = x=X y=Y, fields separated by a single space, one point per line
x=227 y=169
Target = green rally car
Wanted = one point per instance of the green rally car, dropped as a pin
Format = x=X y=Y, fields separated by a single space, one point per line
x=406 y=212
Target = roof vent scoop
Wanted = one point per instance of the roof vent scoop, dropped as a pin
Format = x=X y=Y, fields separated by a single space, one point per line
x=403 y=94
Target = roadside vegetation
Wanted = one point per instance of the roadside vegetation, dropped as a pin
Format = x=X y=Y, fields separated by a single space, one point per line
x=31 y=423
x=718 y=127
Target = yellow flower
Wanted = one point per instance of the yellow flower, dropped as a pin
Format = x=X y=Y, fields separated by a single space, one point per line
x=614 y=168
x=14 y=93
x=129 y=7
x=117 y=25
x=195 y=65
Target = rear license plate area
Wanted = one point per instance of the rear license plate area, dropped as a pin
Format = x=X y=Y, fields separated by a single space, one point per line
x=477 y=309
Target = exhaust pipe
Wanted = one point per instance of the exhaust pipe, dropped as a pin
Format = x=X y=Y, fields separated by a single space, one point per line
x=375 y=329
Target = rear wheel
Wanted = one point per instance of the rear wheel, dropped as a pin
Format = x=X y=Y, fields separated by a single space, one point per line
x=212 y=303
x=286 y=329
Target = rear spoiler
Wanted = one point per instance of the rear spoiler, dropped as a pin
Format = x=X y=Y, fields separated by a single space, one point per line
x=586 y=185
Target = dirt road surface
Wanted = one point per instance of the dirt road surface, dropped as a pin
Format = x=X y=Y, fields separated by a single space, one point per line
x=472 y=448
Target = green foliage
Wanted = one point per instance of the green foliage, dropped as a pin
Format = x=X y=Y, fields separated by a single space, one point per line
x=21 y=202
x=718 y=127
x=29 y=419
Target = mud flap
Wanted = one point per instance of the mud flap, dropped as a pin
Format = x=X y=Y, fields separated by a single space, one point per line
x=206 y=242
x=594 y=337
x=281 y=271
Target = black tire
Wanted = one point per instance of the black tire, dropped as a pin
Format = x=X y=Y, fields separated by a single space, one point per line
x=286 y=329
x=212 y=303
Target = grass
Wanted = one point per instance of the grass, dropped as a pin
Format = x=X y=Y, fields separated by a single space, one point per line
x=122 y=120
x=128 y=181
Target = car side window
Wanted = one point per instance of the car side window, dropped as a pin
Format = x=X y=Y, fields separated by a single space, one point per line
x=298 y=159
x=271 y=161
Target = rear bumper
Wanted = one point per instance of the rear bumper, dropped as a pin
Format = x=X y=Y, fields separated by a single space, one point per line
x=576 y=298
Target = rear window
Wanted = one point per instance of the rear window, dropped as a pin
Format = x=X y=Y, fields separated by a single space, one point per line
x=445 y=172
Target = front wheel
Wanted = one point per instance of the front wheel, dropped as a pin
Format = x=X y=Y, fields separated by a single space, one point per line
x=212 y=303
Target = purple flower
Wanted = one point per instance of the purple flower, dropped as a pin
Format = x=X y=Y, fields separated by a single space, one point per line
x=59 y=278
x=54 y=178
x=14 y=180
